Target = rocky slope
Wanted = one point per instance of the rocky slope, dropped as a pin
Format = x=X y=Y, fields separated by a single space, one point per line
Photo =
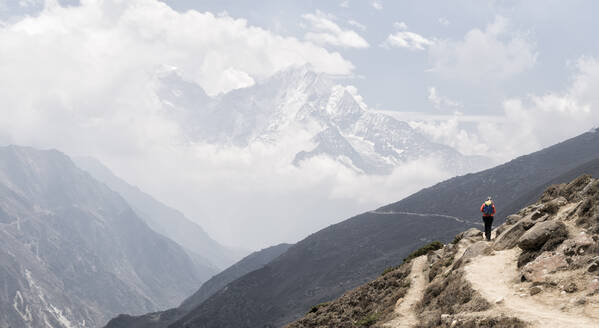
x=540 y=270
x=336 y=259
x=209 y=256
x=73 y=253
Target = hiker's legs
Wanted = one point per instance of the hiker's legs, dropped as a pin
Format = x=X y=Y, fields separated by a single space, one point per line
x=488 y=224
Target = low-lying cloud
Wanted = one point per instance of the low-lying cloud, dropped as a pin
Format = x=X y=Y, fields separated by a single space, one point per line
x=82 y=79
x=527 y=124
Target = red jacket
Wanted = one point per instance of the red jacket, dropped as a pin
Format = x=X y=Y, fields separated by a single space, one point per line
x=483 y=206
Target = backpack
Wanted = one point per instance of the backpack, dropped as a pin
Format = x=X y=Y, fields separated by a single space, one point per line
x=488 y=209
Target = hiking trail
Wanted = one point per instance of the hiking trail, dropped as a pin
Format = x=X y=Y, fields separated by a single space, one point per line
x=405 y=315
x=496 y=277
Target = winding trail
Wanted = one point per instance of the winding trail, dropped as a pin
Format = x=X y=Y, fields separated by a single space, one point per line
x=455 y=218
x=494 y=276
x=405 y=315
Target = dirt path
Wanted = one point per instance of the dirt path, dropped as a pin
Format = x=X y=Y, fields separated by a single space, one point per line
x=406 y=317
x=494 y=277
x=455 y=218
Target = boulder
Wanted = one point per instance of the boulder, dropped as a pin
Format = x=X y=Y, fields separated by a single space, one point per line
x=573 y=246
x=499 y=230
x=553 y=206
x=509 y=238
x=544 y=264
x=476 y=249
x=512 y=219
x=537 y=215
x=471 y=233
x=534 y=238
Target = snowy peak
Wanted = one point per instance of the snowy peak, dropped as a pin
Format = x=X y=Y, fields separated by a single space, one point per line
x=299 y=102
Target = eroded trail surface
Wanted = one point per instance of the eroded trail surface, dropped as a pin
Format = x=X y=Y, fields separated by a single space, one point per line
x=406 y=317
x=494 y=277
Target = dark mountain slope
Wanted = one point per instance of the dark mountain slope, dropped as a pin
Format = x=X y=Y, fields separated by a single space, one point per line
x=248 y=264
x=210 y=256
x=507 y=183
x=342 y=256
x=73 y=253
x=590 y=167
x=327 y=263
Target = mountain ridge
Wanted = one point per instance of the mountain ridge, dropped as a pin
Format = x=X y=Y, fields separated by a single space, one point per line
x=314 y=110
x=538 y=271
x=73 y=252
x=210 y=256
x=246 y=303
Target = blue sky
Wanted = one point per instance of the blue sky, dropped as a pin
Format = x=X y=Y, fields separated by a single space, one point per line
x=557 y=32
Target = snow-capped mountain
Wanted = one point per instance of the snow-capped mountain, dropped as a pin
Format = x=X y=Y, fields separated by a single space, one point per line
x=325 y=117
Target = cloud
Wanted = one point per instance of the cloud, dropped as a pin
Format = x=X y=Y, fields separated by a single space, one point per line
x=324 y=31
x=408 y=40
x=357 y=24
x=83 y=80
x=28 y=3
x=400 y=26
x=528 y=123
x=93 y=92
x=344 y=4
x=124 y=35
x=450 y=132
x=538 y=121
x=443 y=21
x=439 y=101
x=495 y=53
x=377 y=4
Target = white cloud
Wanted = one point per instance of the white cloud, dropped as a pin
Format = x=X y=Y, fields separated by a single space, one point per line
x=495 y=53
x=357 y=24
x=324 y=31
x=344 y=4
x=377 y=4
x=450 y=132
x=443 y=21
x=83 y=80
x=400 y=26
x=528 y=123
x=124 y=35
x=439 y=101
x=542 y=120
x=28 y=3
x=408 y=40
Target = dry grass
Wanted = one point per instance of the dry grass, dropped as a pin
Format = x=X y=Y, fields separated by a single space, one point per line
x=361 y=307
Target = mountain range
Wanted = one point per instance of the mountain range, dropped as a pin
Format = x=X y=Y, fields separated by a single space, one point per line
x=250 y=263
x=73 y=252
x=336 y=259
x=321 y=116
x=209 y=255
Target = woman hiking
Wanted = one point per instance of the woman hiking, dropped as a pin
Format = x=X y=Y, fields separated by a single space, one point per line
x=488 y=210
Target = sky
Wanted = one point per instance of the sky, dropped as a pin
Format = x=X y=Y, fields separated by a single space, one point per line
x=492 y=78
